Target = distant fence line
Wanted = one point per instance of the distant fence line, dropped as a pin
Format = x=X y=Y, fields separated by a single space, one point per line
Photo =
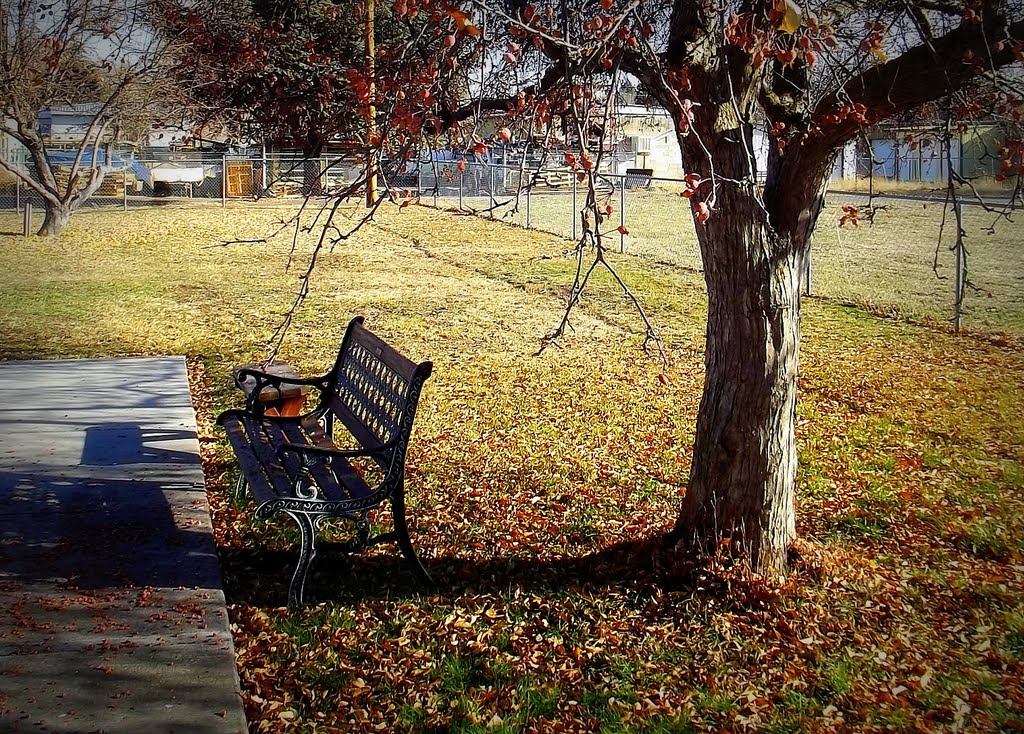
x=896 y=264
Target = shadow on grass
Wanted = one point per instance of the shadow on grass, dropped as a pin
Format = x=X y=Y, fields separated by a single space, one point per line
x=260 y=577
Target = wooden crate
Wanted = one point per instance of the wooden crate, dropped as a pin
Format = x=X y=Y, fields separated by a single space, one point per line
x=239 y=179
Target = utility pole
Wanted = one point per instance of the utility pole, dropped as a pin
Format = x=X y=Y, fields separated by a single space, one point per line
x=371 y=110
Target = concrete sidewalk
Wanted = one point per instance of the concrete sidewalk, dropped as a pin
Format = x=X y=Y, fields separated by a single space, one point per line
x=112 y=616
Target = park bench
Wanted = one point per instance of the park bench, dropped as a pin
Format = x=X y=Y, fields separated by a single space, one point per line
x=302 y=466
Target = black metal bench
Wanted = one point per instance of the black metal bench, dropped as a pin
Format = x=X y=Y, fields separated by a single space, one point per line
x=299 y=466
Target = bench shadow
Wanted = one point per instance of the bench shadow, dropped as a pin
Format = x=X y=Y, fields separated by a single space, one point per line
x=84 y=531
x=121 y=443
x=259 y=577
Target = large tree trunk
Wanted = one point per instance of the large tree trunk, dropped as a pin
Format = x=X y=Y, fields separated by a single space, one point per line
x=741 y=489
x=56 y=219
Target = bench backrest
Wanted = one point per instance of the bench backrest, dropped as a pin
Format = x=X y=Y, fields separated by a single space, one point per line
x=375 y=393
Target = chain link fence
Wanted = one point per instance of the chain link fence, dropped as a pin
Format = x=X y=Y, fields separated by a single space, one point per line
x=903 y=260
x=194 y=180
x=898 y=259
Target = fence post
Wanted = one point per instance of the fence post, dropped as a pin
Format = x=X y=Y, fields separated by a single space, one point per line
x=27 y=224
x=265 y=180
x=124 y=173
x=490 y=167
x=961 y=270
x=462 y=182
x=574 y=212
x=808 y=269
x=529 y=202
x=622 y=214
x=17 y=194
x=224 y=182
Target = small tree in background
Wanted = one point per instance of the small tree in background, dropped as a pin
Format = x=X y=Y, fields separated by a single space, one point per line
x=296 y=73
x=97 y=53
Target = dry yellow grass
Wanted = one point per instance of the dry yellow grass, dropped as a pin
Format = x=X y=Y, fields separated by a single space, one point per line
x=896 y=265
x=163 y=282
x=534 y=482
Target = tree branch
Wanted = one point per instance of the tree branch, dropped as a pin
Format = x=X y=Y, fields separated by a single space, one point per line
x=910 y=80
x=28 y=181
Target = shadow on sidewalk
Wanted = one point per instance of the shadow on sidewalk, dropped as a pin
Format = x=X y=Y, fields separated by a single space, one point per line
x=90 y=532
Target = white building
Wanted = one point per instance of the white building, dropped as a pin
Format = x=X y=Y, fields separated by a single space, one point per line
x=65 y=126
x=647 y=139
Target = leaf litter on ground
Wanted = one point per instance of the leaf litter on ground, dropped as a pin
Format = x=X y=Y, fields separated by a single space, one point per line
x=539 y=487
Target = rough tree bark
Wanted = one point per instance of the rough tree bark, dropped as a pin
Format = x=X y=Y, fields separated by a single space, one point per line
x=55 y=220
x=744 y=459
x=741 y=490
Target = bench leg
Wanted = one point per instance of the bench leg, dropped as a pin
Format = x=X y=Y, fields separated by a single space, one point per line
x=307 y=551
x=405 y=543
x=240 y=486
x=362 y=537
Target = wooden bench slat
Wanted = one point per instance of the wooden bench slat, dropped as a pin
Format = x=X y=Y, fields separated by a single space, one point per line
x=314 y=433
x=269 y=435
x=339 y=480
x=390 y=356
x=261 y=438
x=260 y=477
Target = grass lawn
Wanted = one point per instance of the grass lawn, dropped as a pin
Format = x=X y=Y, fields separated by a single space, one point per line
x=538 y=485
x=896 y=264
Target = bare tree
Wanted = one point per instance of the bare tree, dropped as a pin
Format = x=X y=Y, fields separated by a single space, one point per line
x=100 y=54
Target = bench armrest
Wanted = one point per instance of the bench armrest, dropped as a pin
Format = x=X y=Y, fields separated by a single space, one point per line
x=307 y=450
x=260 y=380
x=269 y=379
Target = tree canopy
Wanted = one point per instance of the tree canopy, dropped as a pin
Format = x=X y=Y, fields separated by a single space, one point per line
x=296 y=74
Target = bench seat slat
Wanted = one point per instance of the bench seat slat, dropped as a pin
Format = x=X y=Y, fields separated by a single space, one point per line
x=338 y=479
x=261 y=476
x=260 y=436
x=266 y=436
